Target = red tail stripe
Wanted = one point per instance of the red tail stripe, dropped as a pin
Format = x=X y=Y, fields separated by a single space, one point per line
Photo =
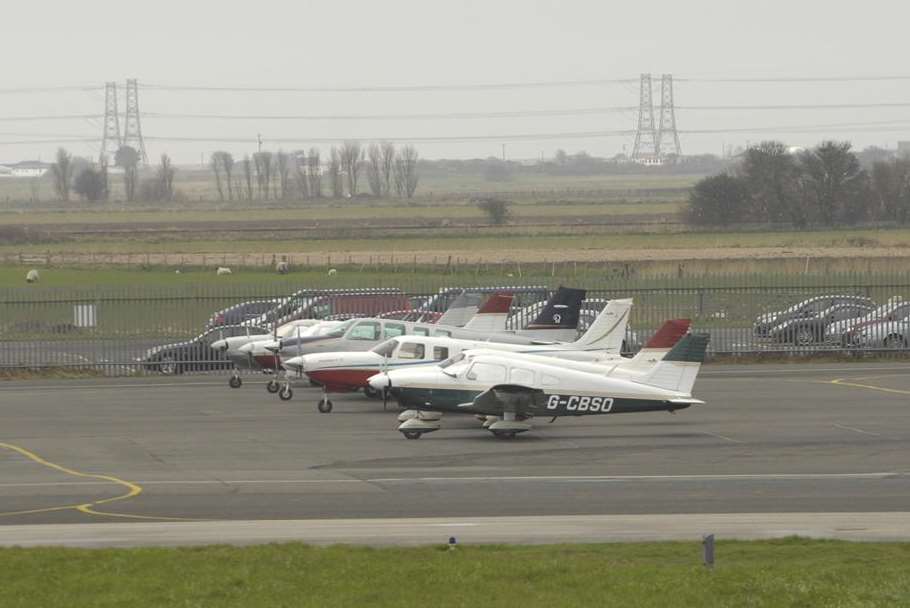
x=669 y=334
x=497 y=303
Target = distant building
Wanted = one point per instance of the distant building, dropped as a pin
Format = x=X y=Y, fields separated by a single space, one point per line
x=903 y=149
x=25 y=168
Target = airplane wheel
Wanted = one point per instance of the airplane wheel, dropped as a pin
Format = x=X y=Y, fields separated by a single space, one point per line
x=273 y=386
x=372 y=393
x=324 y=406
x=286 y=393
x=412 y=434
x=235 y=382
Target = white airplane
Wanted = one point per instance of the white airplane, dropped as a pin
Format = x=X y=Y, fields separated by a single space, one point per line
x=559 y=316
x=339 y=372
x=358 y=334
x=251 y=352
x=509 y=390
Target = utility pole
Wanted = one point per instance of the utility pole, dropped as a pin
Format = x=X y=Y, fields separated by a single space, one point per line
x=645 y=146
x=132 y=125
x=110 y=133
x=259 y=140
x=503 y=152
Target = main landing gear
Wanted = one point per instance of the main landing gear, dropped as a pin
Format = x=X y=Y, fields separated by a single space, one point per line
x=286 y=392
x=273 y=386
x=415 y=428
x=235 y=381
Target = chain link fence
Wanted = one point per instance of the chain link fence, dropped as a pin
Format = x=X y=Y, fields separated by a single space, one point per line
x=111 y=330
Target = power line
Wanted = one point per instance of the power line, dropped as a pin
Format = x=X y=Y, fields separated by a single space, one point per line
x=50 y=117
x=795 y=79
x=389 y=88
x=421 y=116
x=50 y=89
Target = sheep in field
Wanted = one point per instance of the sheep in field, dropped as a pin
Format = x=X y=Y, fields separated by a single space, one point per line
x=222 y=271
x=32 y=276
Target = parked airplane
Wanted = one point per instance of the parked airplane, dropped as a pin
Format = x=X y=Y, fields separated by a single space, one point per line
x=362 y=333
x=349 y=371
x=560 y=316
x=512 y=389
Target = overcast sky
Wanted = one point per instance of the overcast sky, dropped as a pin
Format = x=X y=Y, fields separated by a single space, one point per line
x=426 y=42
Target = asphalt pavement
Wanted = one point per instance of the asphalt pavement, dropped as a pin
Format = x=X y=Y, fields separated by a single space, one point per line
x=184 y=453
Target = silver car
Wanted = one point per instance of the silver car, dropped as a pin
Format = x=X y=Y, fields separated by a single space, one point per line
x=890 y=331
x=840 y=331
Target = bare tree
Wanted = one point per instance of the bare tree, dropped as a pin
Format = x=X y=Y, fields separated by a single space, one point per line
x=351 y=157
x=406 y=172
x=335 y=173
x=62 y=171
x=227 y=163
x=282 y=173
x=300 y=174
x=263 y=163
x=314 y=172
x=388 y=167
x=374 y=169
x=248 y=176
x=165 y=178
x=216 y=165
x=128 y=159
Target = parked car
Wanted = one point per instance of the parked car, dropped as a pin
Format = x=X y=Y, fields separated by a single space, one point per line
x=324 y=304
x=842 y=332
x=241 y=313
x=891 y=330
x=807 y=309
x=810 y=328
x=196 y=354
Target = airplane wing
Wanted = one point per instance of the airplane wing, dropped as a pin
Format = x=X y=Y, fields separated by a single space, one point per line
x=521 y=400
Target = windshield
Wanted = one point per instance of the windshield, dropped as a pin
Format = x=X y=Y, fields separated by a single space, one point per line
x=386 y=348
x=452 y=360
x=339 y=331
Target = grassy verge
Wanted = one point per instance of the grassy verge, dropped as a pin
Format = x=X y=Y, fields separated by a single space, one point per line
x=50 y=373
x=790 y=572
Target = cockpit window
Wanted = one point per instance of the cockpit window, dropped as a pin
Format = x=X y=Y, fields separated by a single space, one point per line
x=386 y=348
x=365 y=330
x=339 y=331
x=452 y=360
x=411 y=350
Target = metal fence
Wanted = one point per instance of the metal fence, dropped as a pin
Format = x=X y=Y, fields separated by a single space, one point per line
x=111 y=330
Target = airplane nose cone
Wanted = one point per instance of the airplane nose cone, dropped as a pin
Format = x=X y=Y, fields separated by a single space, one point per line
x=219 y=345
x=380 y=382
x=295 y=365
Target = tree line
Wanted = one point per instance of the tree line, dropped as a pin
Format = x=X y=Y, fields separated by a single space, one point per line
x=824 y=186
x=303 y=174
x=72 y=175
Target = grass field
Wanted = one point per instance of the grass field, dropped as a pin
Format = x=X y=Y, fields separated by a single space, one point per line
x=457 y=244
x=304 y=211
x=769 y=574
x=196 y=185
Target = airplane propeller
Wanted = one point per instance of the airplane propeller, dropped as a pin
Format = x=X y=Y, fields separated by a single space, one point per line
x=384 y=367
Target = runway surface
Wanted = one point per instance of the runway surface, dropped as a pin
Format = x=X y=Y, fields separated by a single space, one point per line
x=793 y=439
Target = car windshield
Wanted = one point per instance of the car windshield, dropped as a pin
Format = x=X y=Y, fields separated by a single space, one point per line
x=386 y=348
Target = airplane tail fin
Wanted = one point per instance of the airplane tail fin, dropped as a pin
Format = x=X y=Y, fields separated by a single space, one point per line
x=461 y=310
x=493 y=315
x=660 y=343
x=609 y=328
x=561 y=311
x=678 y=370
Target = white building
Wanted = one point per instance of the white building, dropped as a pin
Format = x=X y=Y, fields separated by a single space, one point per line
x=25 y=168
